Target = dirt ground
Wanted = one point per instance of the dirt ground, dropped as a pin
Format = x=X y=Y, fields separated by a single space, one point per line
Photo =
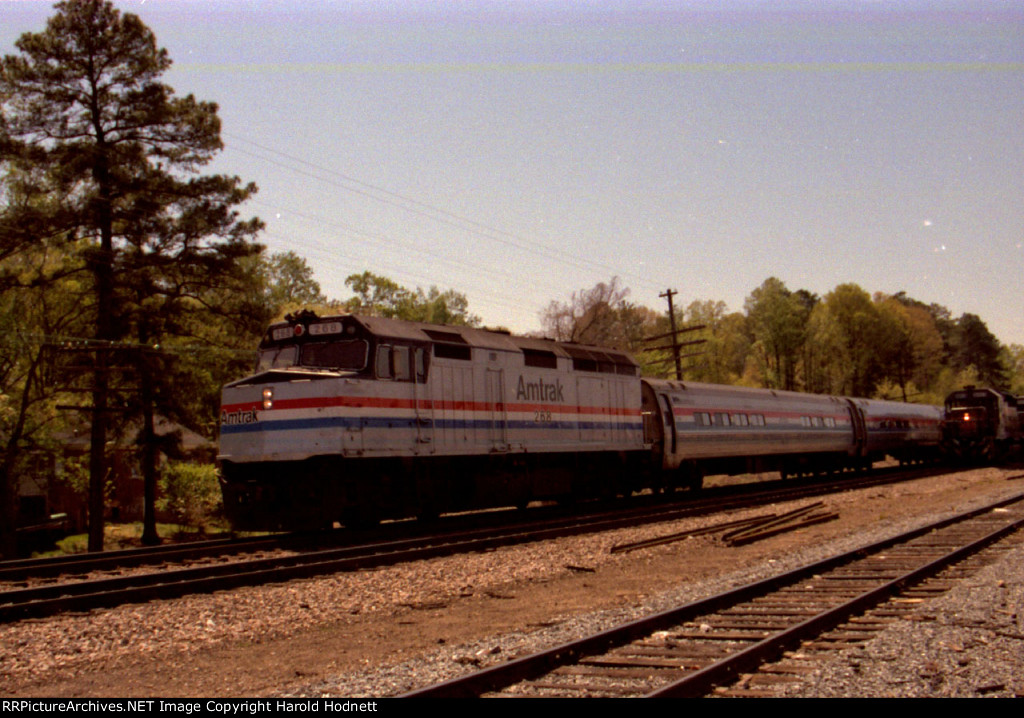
x=272 y=666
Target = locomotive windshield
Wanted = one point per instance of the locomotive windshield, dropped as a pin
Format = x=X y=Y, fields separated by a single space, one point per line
x=344 y=356
x=277 y=358
x=338 y=356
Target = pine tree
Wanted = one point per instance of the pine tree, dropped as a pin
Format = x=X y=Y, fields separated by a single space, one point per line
x=84 y=108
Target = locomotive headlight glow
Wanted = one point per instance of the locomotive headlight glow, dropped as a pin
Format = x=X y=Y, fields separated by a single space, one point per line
x=268 y=398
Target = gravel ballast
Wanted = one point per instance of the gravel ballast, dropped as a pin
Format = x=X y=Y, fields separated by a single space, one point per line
x=966 y=643
x=382 y=632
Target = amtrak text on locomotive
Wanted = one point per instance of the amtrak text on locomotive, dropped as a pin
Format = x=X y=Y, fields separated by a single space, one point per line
x=539 y=390
x=238 y=417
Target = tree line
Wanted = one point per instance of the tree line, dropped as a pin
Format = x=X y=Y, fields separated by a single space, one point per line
x=846 y=342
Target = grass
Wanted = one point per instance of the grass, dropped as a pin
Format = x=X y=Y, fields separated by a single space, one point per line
x=122 y=536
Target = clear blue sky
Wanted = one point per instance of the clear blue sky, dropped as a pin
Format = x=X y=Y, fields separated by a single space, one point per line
x=517 y=151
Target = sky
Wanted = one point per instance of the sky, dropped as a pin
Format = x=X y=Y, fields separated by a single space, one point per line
x=520 y=151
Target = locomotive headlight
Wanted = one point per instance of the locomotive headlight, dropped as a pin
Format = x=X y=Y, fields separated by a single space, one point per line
x=268 y=398
x=967 y=417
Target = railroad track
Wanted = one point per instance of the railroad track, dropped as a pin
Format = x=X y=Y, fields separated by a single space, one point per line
x=23 y=569
x=78 y=566
x=169 y=582
x=690 y=650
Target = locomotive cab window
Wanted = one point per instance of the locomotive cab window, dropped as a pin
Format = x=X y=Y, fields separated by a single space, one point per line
x=277 y=358
x=420 y=361
x=340 y=356
x=396 y=362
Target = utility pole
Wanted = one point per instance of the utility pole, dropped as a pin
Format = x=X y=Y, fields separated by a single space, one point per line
x=676 y=345
x=669 y=293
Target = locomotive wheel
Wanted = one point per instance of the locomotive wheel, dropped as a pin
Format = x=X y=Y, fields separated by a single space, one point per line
x=428 y=514
x=359 y=519
x=696 y=481
x=693 y=477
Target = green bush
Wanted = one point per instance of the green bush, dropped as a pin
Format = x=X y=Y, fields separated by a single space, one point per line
x=189 y=493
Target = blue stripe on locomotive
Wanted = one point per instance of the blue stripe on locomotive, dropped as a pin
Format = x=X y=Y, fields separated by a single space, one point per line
x=356 y=422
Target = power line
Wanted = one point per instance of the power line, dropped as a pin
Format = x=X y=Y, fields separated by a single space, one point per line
x=72 y=343
x=368 y=237
x=429 y=211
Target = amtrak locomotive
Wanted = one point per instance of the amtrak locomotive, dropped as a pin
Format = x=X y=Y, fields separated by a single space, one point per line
x=354 y=419
x=983 y=424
